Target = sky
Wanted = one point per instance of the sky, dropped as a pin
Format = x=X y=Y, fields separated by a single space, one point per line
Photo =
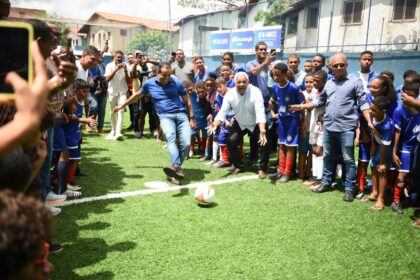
x=83 y=9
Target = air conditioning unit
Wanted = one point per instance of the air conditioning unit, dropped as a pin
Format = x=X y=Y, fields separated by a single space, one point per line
x=400 y=42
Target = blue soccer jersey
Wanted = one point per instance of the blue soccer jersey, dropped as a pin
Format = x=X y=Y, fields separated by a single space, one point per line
x=409 y=125
x=386 y=130
x=286 y=96
x=72 y=129
x=217 y=105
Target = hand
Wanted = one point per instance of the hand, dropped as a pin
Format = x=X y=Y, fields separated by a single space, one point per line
x=381 y=168
x=171 y=59
x=407 y=99
x=193 y=124
x=274 y=115
x=396 y=160
x=121 y=65
x=356 y=141
x=270 y=58
x=373 y=130
x=230 y=124
x=30 y=101
x=295 y=108
x=210 y=118
x=65 y=118
x=263 y=138
x=211 y=129
x=117 y=108
x=91 y=121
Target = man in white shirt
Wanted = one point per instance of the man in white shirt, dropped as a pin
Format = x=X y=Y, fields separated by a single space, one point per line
x=116 y=73
x=248 y=104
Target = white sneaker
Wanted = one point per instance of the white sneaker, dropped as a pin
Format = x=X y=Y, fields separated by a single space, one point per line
x=73 y=187
x=54 y=199
x=191 y=153
x=72 y=194
x=54 y=210
x=119 y=137
x=155 y=133
x=111 y=135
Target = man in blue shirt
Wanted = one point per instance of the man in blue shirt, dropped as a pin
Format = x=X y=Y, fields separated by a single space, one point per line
x=174 y=120
x=258 y=70
x=342 y=95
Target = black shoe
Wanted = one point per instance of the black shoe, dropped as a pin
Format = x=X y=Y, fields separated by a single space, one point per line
x=230 y=168
x=55 y=248
x=348 y=196
x=170 y=171
x=397 y=207
x=283 y=179
x=322 y=188
x=179 y=172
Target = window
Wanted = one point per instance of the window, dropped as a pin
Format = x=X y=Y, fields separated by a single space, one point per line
x=352 y=12
x=404 y=9
x=109 y=35
x=292 y=24
x=123 y=32
x=312 y=16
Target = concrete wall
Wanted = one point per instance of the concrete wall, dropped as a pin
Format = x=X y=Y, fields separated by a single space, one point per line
x=382 y=29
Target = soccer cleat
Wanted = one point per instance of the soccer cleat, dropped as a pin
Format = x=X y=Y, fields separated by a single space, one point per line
x=204 y=158
x=397 y=207
x=322 y=188
x=360 y=194
x=53 y=210
x=283 y=179
x=173 y=180
x=72 y=194
x=221 y=164
x=211 y=162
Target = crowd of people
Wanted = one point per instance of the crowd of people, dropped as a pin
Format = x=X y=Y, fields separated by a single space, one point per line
x=313 y=119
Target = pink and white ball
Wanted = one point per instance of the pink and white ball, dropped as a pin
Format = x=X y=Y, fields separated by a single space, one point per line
x=204 y=195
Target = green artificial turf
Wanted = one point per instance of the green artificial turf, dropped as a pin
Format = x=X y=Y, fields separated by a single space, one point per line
x=254 y=230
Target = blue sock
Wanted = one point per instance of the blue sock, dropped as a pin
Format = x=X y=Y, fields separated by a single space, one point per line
x=62 y=168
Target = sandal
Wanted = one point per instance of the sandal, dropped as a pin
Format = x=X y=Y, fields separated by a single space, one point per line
x=368 y=199
x=377 y=207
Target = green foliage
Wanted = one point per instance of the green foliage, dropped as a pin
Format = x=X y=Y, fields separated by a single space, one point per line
x=271 y=16
x=153 y=42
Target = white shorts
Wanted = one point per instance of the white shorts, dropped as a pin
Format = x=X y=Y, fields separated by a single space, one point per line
x=315 y=138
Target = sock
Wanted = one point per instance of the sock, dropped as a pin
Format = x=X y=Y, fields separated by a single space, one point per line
x=289 y=166
x=62 y=176
x=320 y=167
x=314 y=166
x=392 y=177
x=215 y=149
x=361 y=179
x=398 y=190
x=282 y=164
x=225 y=155
x=70 y=174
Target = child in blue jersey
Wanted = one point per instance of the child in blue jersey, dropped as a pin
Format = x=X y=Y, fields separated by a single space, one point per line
x=407 y=124
x=223 y=134
x=378 y=86
x=74 y=109
x=381 y=151
x=286 y=93
x=194 y=92
x=225 y=72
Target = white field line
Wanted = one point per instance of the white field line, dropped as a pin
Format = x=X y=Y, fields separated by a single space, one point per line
x=160 y=190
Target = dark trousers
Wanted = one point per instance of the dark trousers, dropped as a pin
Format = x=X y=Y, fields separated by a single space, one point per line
x=147 y=108
x=236 y=136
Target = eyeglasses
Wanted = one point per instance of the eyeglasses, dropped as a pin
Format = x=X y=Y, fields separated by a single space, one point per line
x=43 y=260
x=341 y=65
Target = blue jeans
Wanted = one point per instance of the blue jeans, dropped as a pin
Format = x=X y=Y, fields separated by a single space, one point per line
x=332 y=142
x=174 y=125
x=101 y=107
x=93 y=106
x=44 y=173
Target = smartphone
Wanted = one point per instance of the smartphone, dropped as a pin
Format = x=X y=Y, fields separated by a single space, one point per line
x=15 y=52
x=273 y=52
x=173 y=54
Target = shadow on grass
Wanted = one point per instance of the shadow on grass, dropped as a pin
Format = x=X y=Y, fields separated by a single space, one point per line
x=89 y=251
x=182 y=192
x=210 y=205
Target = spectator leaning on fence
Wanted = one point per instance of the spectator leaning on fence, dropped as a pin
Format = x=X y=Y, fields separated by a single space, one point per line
x=341 y=95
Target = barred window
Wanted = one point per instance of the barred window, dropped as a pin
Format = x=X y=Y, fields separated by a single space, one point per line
x=312 y=16
x=404 y=9
x=293 y=24
x=352 y=12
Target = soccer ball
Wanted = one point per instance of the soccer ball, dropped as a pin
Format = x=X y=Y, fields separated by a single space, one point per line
x=204 y=195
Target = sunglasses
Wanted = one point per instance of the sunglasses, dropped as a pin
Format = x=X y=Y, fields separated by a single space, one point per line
x=43 y=260
x=341 y=65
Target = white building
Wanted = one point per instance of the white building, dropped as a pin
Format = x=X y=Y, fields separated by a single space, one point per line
x=194 y=31
x=352 y=25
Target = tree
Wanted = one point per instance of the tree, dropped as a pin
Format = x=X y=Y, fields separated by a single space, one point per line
x=272 y=15
x=153 y=42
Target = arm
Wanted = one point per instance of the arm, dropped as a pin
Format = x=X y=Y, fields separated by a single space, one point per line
x=187 y=102
x=410 y=101
x=110 y=76
x=256 y=70
x=133 y=71
x=133 y=98
x=127 y=77
x=395 y=158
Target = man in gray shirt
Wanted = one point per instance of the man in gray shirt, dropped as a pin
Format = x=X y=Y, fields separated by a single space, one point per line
x=342 y=95
x=185 y=71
